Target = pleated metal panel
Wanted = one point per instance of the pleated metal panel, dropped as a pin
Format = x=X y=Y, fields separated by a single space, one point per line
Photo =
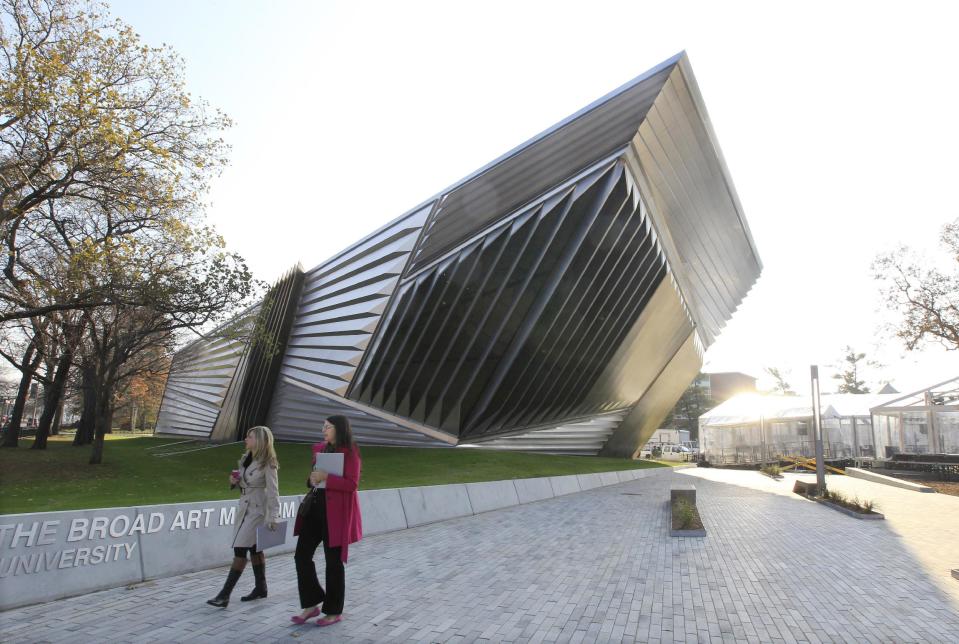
x=511 y=329
x=200 y=377
x=298 y=414
x=693 y=203
x=544 y=161
x=341 y=304
x=580 y=438
x=265 y=357
x=654 y=338
x=661 y=396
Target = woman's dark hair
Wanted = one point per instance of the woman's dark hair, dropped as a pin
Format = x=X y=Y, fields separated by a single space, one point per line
x=344 y=433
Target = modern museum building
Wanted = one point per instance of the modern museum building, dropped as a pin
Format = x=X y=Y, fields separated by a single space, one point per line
x=559 y=299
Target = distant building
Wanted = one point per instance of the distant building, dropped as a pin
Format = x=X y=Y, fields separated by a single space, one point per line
x=705 y=392
x=723 y=386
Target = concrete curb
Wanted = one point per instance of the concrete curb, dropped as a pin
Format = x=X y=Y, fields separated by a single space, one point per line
x=866 y=475
x=862 y=516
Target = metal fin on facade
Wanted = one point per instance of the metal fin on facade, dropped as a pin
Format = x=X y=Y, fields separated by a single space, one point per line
x=580 y=438
x=512 y=329
x=200 y=376
x=298 y=415
x=341 y=305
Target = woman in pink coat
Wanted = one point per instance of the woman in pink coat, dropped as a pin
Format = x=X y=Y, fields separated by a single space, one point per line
x=334 y=520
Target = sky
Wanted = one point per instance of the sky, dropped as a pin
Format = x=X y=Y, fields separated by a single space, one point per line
x=836 y=120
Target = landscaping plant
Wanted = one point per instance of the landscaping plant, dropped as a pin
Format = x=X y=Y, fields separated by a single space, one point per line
x=684 y=512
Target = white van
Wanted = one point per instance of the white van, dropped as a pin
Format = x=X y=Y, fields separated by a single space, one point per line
x=676 y=453
x=668 y=452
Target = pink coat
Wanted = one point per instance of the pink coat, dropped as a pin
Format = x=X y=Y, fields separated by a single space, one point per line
x=344 y=524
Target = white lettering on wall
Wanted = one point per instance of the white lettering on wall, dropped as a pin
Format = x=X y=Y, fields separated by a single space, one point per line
x=119 y=532
x=179 y=521
x=156 y=522
x=42 y=546
x=48 y=532
x=4 y=529
x=78 y=529
x=139 y=525
x=98 y=554
x=98 y=528
x=29 y=534
x=193 y=520
x=67 y=558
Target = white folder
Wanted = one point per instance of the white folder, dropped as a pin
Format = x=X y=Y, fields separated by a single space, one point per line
x=331 y=462
x=266 y=538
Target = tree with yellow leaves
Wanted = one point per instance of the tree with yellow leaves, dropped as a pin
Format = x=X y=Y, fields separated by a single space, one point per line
x=91 y=119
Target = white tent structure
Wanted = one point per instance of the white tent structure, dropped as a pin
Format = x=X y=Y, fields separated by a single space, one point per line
x=755 y=428
x=921 y=422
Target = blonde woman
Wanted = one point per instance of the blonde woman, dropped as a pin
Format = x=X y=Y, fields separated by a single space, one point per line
x=259 y=506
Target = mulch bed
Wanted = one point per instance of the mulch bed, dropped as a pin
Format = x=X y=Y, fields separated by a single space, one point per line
x=943 y=487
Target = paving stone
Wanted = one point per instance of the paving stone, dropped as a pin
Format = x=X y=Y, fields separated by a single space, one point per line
x=594 y=566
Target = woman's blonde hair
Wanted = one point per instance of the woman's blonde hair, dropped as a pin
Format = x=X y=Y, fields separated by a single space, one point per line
x=263 y=451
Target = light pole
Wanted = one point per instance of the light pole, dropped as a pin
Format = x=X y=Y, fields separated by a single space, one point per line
x=817 y=429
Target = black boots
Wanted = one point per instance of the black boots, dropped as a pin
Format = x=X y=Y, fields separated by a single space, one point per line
x=259 y=591
x=223 y=598
x=259 y=574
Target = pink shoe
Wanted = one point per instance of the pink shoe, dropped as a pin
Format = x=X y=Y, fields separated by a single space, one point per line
x=328 y=620
x=297 y=619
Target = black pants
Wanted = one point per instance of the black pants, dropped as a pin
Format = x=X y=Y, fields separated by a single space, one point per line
x=312 y=532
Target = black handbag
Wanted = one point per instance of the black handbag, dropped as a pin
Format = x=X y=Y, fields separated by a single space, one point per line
x=303 y=510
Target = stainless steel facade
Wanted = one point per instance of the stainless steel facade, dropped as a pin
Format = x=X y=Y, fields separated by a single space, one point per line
x=558 y=299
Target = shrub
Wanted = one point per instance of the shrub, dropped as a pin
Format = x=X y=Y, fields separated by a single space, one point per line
x=684 y=512
x=772 y=469
x=837 y=497
x=853 y=504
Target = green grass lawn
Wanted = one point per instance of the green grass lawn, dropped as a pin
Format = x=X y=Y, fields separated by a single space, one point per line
x=59 y=477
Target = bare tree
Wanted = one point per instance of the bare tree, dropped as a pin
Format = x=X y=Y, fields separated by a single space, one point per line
x=782 y=387
x=186 y=281
x=925 y=297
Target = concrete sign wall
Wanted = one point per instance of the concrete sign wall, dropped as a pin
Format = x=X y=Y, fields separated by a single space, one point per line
x=50 y=555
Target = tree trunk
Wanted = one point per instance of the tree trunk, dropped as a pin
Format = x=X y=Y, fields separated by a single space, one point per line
x=12 y=437
x=53 y=394
x=58 y=418
x=103 y=420
x=85 y=427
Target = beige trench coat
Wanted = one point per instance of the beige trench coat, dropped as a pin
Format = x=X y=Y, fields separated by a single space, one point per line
x=259 y=502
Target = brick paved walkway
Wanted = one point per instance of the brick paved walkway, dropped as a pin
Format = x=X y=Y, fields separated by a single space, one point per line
x=591 y=567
